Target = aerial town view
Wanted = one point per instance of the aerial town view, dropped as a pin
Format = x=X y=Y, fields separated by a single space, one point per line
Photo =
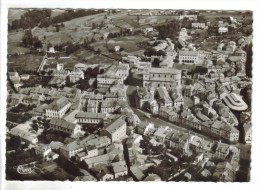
x=129 y=95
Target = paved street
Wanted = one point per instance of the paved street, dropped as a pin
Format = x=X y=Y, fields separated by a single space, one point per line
x=157 y=121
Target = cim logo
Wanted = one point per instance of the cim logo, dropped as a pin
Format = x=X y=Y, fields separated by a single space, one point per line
x=24 y=169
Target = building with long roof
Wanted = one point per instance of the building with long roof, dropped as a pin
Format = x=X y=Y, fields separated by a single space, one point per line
x=161 y=77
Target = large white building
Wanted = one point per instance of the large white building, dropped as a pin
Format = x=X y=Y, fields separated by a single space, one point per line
x=116 y=130
x=161 y=77
x=114 y=74
x=58 y=108
x=197 y=25
x=90 y=117
x=222 y=30
x=188 y=57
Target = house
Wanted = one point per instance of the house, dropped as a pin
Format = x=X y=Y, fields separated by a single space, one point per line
x=90 y=151
x=117 y=48
x=108 y=106
x=71 y=149
x=25 y=132
x=25 y=77
x=58 y=108
x=196 y=143
x=76 y=75
x=137 y=173
x=177 y=100
x=14 y=76
x=144 y=127
x=197 y=25
x=116 y=130
x=42 y=150
x=92 y=106
x=99 y=142
x=105 y=174
x=180 y=141
x=64 y=126
x=16 y=98
x=224 y=172
x=55 y=145
x=163 y=97
x=86 y=177
x=161 y=133
x=101 y=159
x=222 y=30
x=115 y=74
x=143 y=96
x=188 y=90
x=152 y=177
x=222 y=151
x=119 y=168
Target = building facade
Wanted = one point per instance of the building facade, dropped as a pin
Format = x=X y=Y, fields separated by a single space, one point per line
x=161 y=77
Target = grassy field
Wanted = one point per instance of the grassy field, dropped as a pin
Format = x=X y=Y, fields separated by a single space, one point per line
x=13 y=43
x=99 y=59
x=69 y=63
x=129 y=43
x=24 y=62
x=14 y=14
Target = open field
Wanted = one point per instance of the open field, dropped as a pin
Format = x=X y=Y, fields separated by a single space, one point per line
x=24 y=62
x=99 y=59
x=129 y=43
x=13 y=43
x=69 y=63
x=15 y=14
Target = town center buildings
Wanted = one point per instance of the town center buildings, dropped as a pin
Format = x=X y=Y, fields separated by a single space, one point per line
x=161 y=77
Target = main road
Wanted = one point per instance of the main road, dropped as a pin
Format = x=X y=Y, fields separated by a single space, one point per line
x=157 y=121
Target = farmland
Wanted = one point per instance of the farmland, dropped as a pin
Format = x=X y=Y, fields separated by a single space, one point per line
x=69 y=63
x=26 y=62
x=128 y=43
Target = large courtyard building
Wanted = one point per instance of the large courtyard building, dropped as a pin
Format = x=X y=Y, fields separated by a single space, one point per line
x=161 y=77
x=188 y=57
x=58 y=108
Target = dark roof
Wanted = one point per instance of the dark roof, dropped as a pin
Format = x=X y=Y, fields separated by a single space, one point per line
x=62 y=123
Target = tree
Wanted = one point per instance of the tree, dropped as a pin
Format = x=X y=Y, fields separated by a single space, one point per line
x=98 y=51
x=68 y=83
x=84 y=84
x=201 y=18
x=49 y=45
x=57 y=28
x=35 y=127
x=27 y=39
x=14 y=142
x=156 y=62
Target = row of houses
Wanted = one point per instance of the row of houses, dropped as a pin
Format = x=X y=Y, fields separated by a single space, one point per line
x=218 y=128
x=204 y=150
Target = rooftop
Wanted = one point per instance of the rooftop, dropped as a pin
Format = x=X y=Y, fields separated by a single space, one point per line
x=188 y=53
x=164 y=70
x=62 y=123
x=90 y=115
x=115 y=125
x=235 y=102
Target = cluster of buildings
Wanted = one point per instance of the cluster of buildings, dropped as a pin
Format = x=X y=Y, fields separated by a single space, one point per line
x=109 y=140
